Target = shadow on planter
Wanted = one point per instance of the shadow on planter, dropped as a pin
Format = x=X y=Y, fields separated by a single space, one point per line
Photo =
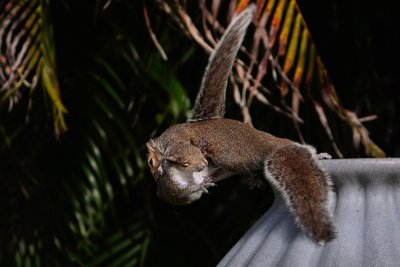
x=366 y=213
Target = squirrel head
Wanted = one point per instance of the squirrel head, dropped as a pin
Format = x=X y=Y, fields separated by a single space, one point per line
x=184 y=157
x=179 y=171
x=154 y=156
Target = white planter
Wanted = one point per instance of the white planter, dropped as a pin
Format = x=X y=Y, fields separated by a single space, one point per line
x=366 y=213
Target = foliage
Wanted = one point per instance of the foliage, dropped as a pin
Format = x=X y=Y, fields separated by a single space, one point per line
x=27 y=54
x=282 y=48
x=83 y=197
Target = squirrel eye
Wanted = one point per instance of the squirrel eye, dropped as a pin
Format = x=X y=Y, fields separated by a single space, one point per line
x=150 y=162
x=185 y=164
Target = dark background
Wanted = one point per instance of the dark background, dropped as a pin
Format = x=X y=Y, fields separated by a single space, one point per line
x=358 y=42
x=114 y=84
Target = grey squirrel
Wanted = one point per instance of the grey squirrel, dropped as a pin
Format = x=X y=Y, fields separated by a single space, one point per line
x=189 y=158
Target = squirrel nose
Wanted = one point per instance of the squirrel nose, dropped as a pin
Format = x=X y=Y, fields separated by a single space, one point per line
x=201 y=167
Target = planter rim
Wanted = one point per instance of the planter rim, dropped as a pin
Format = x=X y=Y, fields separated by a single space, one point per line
x=366 y=213
x=361 y=165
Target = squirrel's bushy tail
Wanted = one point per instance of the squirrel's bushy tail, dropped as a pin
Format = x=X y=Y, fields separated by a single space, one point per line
x=211 y=97
x=294 y=171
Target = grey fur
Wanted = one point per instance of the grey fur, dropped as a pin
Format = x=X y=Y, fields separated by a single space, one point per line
x=185 y=150
x=210 y=101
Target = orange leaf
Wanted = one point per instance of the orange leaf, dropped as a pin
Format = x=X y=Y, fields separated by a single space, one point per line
x=287 y=25
x=276 y=21
x=242 y=5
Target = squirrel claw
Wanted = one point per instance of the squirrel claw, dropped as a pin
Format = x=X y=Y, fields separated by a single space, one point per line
x=208 y=180
x=204 y=186
x=324 y=156
x=207 y=185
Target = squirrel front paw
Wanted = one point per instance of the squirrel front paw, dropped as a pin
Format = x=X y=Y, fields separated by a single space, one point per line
x=205 y=186
x=208 y=179
x=207 y=183
x=324 y=156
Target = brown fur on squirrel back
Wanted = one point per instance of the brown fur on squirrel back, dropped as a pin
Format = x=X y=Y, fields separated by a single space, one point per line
x=231 y=144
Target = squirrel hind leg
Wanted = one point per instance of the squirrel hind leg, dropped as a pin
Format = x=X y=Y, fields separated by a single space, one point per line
x=294 y=172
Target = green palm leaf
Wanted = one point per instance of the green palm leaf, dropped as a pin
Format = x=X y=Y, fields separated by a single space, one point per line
x=62 y=198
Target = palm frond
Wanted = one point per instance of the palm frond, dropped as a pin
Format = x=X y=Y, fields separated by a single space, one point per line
x=27 y=54
x=124 y=247
x=283 y=57
x=106 y=165
x=94 y=170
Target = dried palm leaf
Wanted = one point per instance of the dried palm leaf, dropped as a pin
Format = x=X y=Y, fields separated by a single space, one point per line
x=27 y=54
x=282 y=47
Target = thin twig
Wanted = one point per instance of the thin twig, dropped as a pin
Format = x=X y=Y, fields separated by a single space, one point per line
x=152 y=35
x=193 y=30
x=107 y=4
x=207 y=31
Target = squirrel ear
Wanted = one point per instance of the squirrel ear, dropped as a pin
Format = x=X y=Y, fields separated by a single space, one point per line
x=210 y=101
x=151 y=145
x=172 y=158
